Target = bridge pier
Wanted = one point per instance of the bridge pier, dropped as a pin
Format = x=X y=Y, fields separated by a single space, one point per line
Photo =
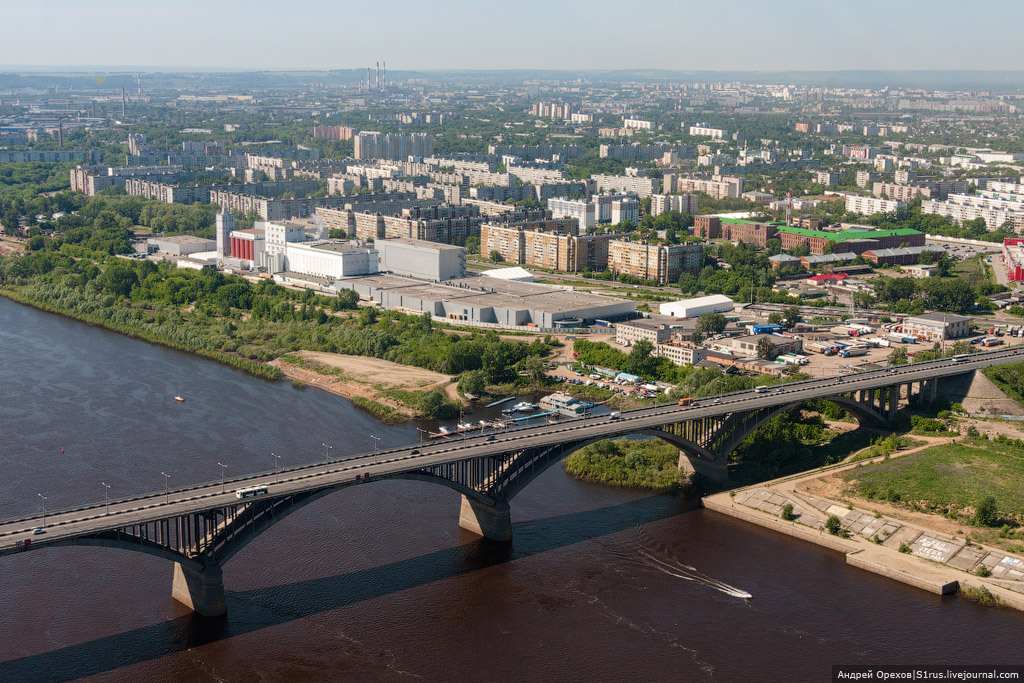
x=202 y=591
x=716 y=470
x=490 y=521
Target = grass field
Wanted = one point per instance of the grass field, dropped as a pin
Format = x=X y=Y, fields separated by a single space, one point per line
x=949 y=479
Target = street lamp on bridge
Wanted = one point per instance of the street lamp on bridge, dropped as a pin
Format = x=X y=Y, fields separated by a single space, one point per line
x=43 y=504
x=422 y=432
x=277 y=465
x=327 y=452
x=106 y=498
x=223 y=475
x=167 y=487
x=375 y=440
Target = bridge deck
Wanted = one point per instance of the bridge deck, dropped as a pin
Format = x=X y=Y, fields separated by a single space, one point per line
x=155 y=506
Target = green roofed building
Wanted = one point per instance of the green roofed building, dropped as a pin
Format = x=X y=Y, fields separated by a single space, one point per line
x=857 y=241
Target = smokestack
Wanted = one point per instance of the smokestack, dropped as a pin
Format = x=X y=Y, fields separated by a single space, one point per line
x=138 y=80
x=376 y=81
x=789 y=208
x=384 y=74
x=60 y=134
x=124 y=104
x=368 y=79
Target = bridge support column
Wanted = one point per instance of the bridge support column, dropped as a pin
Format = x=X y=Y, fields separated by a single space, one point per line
x=202 y=591
x=716 y=470
x=493 y=522
x=894 y=403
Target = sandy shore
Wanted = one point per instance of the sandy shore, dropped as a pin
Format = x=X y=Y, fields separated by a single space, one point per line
x=352 y=376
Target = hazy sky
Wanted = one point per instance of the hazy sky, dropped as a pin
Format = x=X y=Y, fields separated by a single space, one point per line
x=536 y=34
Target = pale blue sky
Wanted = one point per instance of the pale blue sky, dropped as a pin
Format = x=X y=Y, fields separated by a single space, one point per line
x=535 y=34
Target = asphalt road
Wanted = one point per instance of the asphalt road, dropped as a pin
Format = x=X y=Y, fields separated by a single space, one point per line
x=152 y=506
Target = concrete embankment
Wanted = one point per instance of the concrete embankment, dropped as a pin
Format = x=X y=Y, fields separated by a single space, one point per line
x=881 y=545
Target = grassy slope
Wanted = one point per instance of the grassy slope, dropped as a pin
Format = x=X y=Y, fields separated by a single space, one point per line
x=949 y=477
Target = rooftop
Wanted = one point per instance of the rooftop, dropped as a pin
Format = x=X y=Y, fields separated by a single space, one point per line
x=180 y=239
x=423 y=244
x=949 y=318
x=848 y=235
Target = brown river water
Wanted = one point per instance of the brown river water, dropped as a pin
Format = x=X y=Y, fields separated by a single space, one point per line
x=377 y=582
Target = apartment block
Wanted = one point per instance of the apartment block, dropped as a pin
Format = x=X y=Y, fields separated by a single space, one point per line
x=637 y=124
x=333 y=132
x=703 y=130
x=826 y=178
x=963 y=208
x=553 y=249
x=374 y=145
x=683 y=203
x=718 y=186
x=872 y=205
x=638 y=185
x=662 y=263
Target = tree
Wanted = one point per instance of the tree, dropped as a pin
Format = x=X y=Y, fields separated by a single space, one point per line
x=898 y=356
x=473 y=382
x=833 y=525
x=792 y=317
x=496 y=256
x=765 y=348
x=535 y=366
x=711 y=323
x=473 y=244
x=986 y=514
x=368 y=316
x=119 y=278
x=960 y=348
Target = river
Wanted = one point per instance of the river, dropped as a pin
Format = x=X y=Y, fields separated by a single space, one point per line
x=378 y=583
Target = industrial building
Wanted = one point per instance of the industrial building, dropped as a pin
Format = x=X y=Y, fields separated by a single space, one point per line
x=735 y=229
x=181 y=245
x=655 y=329
x=693 y=308
x=493 y=301
x=421 y=259
x=1013 y=258
x=937 y=326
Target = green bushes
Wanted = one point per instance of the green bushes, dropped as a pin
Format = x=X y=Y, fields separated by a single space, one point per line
x=648 y=464
x=379 y=410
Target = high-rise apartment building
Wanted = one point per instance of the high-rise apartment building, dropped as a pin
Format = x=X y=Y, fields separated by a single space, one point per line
x=373 y=145
x=663 y=203
x=662 y=263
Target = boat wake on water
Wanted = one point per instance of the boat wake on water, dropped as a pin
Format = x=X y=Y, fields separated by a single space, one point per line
x=646 y=555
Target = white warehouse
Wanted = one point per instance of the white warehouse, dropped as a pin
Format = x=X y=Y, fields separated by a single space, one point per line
x=692 y=308
x=332 y=260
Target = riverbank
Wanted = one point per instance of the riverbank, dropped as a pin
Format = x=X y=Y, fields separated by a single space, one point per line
x=252 y=367
x=874 y=541
x=361 y=377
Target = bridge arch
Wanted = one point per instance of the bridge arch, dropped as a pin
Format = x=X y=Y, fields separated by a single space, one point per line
x=535 y=464
x=736 y=428
x=139 y=545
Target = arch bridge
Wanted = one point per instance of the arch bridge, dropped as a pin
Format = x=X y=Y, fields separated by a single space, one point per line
x=199 y=528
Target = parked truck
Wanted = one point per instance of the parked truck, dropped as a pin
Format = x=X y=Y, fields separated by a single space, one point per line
x=853 y=351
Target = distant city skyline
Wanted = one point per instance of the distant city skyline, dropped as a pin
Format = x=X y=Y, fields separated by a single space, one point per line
x=744 y=35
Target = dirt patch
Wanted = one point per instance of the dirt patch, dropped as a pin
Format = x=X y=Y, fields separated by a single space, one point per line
x=352 y=376
x=11 y=247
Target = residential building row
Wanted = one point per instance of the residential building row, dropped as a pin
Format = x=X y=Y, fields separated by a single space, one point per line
x=719 y=187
